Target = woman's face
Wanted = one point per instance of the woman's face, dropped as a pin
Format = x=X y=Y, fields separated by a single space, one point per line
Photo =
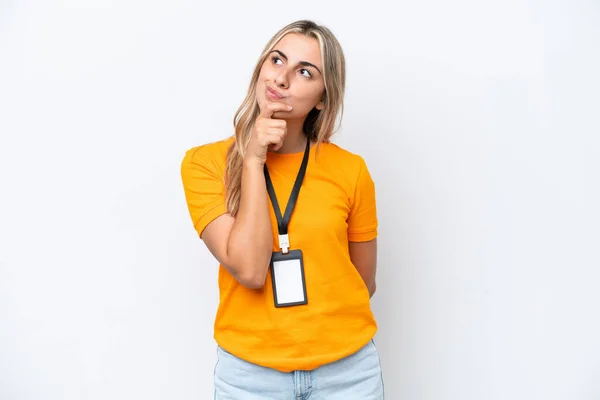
x=292 y=74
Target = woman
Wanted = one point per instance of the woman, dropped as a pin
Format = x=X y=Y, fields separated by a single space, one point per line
x=291 y=218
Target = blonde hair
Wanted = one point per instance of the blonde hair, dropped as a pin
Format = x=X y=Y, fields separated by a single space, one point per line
x=319 y=126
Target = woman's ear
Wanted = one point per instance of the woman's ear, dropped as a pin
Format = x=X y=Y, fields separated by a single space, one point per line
x=320 y=106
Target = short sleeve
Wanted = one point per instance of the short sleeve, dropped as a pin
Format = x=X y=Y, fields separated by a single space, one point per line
x=362 y=219
x=204 y=187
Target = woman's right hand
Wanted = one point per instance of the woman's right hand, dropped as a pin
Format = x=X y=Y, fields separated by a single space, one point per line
x=267 y=134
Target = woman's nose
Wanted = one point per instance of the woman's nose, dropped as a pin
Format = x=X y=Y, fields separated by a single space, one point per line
x=281 y=80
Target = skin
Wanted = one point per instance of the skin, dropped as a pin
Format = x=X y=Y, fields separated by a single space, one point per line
x=293 y=69
x=301 y=86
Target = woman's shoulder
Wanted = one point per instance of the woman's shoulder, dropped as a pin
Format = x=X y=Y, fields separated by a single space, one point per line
x=215 y=150
x=342 y=156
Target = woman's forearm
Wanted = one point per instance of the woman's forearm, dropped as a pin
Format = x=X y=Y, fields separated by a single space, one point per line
x=251 y=240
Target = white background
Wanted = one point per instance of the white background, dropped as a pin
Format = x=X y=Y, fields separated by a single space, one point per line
x=479 y=123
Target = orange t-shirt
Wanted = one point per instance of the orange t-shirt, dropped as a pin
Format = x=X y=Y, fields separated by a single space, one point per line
x=336 y=205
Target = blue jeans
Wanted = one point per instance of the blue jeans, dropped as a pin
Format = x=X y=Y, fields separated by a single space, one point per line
x=356 y=377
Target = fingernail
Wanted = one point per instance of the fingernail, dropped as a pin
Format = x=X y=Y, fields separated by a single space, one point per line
x=289 y=107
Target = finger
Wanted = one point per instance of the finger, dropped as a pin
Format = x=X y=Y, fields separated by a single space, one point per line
x=275 y=139
x=268 y=139
x=275 y=131
x=275 y=147
x=277 y=123
x=270 y=108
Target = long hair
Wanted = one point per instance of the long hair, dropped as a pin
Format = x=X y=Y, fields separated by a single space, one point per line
x=319 y=126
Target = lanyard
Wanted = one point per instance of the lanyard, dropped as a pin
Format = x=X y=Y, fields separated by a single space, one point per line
x=282 y=222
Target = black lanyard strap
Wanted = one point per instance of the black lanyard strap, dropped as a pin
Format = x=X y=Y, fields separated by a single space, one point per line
x=283 y=222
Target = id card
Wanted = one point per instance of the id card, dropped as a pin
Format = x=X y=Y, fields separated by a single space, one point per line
x=287 y=275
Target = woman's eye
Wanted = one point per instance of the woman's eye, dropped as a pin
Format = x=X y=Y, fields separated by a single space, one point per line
x=306 y=73
x=275 y=59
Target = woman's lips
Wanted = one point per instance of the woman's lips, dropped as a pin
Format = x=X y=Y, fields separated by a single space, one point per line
x=272 y=94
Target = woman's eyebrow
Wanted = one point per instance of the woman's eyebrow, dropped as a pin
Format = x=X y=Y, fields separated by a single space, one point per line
x=305 y=63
